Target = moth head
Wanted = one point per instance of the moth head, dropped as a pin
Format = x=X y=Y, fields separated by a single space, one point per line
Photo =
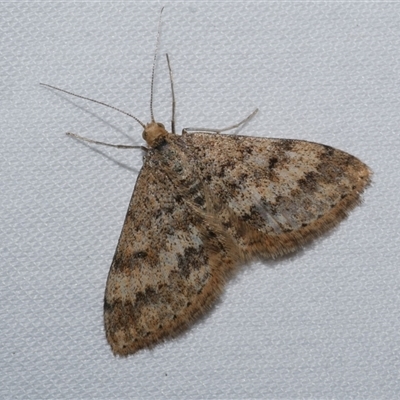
x=154 y=134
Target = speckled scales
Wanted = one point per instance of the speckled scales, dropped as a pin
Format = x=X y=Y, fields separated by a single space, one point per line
x=205 y=203
x=169 y=263
x=281 y=192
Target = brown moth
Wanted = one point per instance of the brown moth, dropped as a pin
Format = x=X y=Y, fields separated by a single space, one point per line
x=203 y=204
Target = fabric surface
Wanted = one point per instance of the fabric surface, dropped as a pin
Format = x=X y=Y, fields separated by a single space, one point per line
x=322 y=323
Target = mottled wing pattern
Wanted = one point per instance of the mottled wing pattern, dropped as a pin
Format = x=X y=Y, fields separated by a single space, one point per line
x=167 y=267
x=204 y=203
x=276 y=194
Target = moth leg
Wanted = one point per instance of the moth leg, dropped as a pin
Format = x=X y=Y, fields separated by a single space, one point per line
x=217 y=131
x=118 y=146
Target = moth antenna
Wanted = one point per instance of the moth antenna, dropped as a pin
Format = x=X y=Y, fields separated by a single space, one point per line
x=154 y=67
x=173 y=95
x=95 y=101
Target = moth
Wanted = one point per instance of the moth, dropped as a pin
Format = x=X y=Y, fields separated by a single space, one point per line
x=206 y=202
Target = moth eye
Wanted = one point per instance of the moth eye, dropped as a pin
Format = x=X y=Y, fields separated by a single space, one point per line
x=160 y=125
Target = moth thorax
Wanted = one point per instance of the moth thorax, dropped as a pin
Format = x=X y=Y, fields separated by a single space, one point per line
x=154 y=134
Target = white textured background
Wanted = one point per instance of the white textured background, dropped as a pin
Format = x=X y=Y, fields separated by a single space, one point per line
x=323 y=323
